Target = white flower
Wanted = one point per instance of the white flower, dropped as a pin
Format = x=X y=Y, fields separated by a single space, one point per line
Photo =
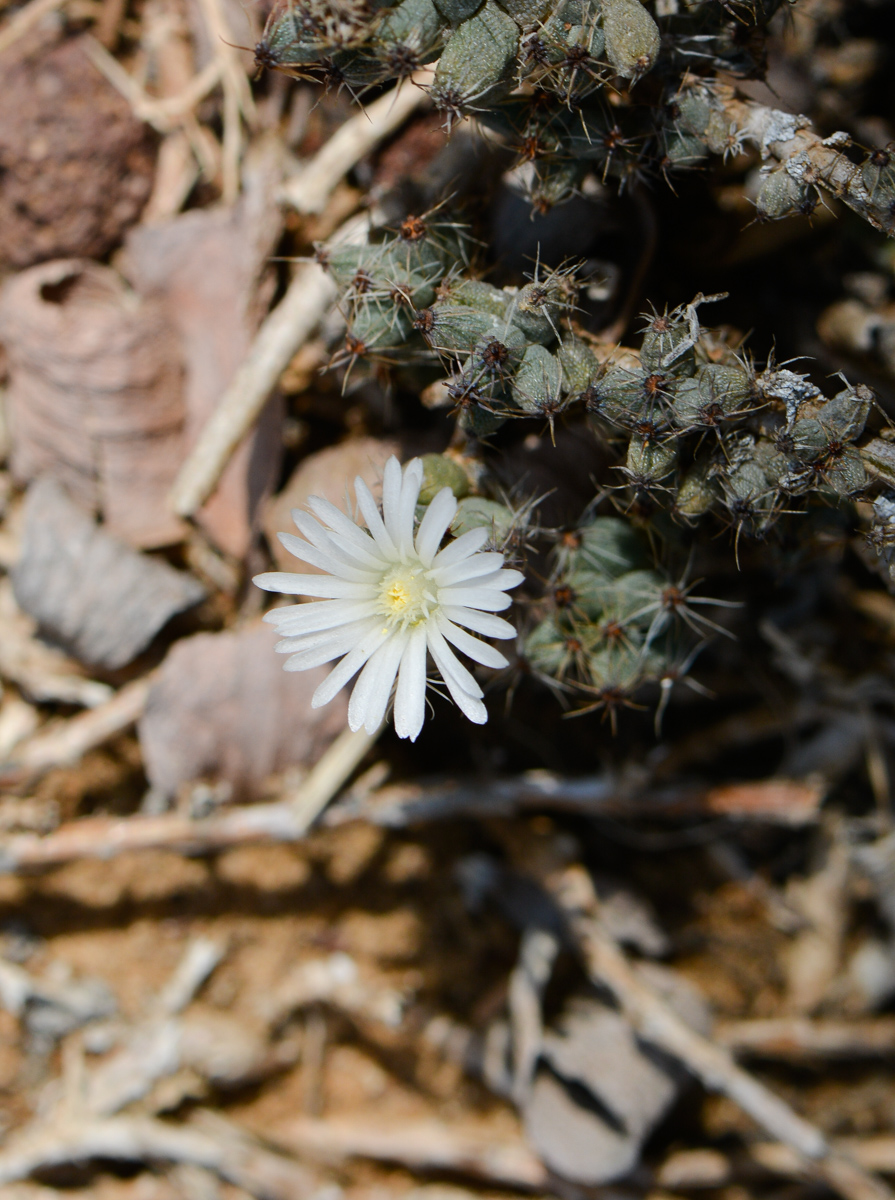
x=391 y=598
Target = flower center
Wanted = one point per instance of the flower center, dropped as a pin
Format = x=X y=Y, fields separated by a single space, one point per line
x=406 y=596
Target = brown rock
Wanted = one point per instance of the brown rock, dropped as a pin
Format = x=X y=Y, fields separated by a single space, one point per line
x=329 y=473
x=223 y=708
x=76 y=167
x=95 y=394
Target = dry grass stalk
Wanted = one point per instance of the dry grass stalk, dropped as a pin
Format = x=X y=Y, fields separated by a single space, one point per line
x=310 y=188
x=238 y=101
x=162 y=114
x=26 y=18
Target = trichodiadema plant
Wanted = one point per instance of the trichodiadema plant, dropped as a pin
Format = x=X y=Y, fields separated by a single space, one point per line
x=719 y=467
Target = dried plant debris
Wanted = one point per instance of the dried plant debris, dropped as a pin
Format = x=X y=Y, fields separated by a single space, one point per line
x=645 y=951
x=596 y=1137
x=76 y=164
x=209 y=271
x=222 y=708
x=95 y=596
x=95 y=394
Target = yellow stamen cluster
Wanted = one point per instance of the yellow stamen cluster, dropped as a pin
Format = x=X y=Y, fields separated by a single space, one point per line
x=407 y=596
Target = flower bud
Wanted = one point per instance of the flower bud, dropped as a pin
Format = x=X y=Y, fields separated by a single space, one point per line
x=439 y=472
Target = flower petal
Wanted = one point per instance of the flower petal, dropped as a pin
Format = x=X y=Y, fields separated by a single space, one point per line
x=373 y=689
x=331 y=542
x=489 y=599
x=469 y=568
x=480 y=622
x=502 y=579
x=471 y=706
x=410 y=493
x=392 y=483
x=322 y=648
x=462 y=547
x=479 y=652
x=434 y=524
x=296 y=620
x=447 y=662
x=374 y=521
x=323 y=586
x=327 y=560
x=350 y=665
x=335 y=519
x=410 y=696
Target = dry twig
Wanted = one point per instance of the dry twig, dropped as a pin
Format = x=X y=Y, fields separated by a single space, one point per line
x=787 y=802
x=419 y=1145
x=310 y=188
x=654 y=1021
x=26 y=18
x=67 y=741
x=212 y=1143
x=799 y=1038
x=162 y=114
x=284 y=821
x=309 y=296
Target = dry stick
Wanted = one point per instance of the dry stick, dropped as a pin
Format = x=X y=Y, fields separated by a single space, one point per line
x=67 y=742
x=699 y=1168
x=295 y=318
x=805 y=156
x=783 y=801
x=220 y=1147
x=799 y=1038
x=420 y=1146
x=283 y=821
x=310 y=188
x=162 y=114
x=237 y=96
x=282 y=334
x=657 y=1023
x=26 y=18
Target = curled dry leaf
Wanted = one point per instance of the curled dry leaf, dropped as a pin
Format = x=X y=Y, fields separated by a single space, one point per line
x=98 y=598
x=95 y=394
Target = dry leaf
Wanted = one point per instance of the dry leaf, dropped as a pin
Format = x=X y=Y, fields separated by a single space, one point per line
x=222 y=707
x=98 y=598
x=589 y=1115
x=209 y=268
x=328 y=473
x=95 y=394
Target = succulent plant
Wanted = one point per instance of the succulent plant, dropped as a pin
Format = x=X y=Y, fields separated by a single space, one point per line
x=697 y=434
